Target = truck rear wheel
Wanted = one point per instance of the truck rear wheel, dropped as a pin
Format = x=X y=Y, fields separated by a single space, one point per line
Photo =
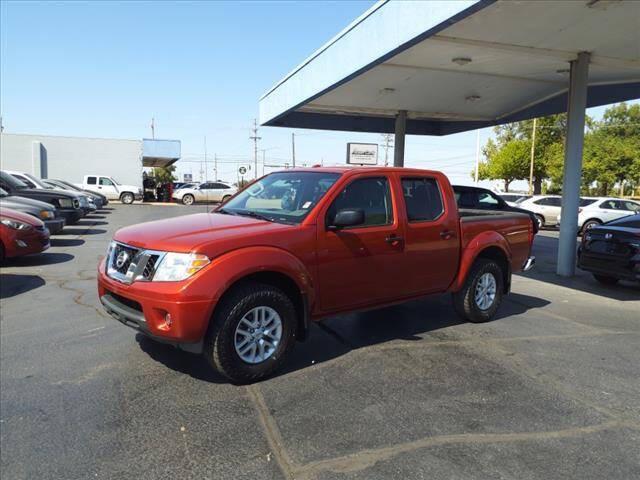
x=251 y=332
x=479 y=298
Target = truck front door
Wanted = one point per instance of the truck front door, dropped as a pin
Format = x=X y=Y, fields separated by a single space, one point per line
x=361 y=265
x=108 y=188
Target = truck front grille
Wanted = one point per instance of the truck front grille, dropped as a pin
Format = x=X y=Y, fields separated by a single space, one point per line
x=128 y=264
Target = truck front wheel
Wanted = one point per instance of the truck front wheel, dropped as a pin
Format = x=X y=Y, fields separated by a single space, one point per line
x=126 y=198
x=479 y=298
x=251 y=332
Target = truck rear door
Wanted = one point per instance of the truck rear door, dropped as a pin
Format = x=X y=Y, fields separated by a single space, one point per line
x=432 y=243
x=363 y=264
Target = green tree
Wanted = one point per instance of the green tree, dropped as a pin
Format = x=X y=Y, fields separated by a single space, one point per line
x=164 y=174
x=508 y=163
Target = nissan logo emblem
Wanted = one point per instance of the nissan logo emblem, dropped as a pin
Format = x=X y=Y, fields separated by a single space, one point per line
x=121 y=259
x=608 y=236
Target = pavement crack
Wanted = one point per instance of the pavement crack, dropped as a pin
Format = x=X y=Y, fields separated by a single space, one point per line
x=272 y=432
x=367 y=458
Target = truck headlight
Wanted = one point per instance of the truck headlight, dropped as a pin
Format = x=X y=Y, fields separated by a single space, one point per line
x=179 y=266
x=65 y=203
x=14 y=224
x=47 y=214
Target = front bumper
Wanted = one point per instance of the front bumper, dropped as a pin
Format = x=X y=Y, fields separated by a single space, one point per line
x=55 y=225
x=145 y=306
x=27 y=242
x=71 y=215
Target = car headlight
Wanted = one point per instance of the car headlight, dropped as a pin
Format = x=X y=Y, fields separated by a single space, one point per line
x=16 y=225
x=83 y=201
x=47 y=214
x=179 y=266
x=65 y=203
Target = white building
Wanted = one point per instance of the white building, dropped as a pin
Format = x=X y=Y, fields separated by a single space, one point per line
x=71 y=158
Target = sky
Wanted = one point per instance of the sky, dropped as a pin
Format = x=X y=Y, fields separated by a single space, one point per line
x=105 y=69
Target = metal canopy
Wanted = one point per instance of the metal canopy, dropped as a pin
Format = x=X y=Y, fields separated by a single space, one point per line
x=160 y=153
x=457 y=66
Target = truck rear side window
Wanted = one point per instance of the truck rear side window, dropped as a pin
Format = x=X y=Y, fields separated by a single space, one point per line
x=371 y=195
x=422 y=199
x=91 y=180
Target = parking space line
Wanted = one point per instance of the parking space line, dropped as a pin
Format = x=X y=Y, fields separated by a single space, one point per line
x=272 y=433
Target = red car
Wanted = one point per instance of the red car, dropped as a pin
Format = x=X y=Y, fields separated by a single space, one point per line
x=242 y=283
x=21 y=234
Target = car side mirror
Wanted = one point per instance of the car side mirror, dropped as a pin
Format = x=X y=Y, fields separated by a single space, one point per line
x=347 y=217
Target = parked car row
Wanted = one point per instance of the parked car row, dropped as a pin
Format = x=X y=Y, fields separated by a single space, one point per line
x=31 y=209
x=593 y=211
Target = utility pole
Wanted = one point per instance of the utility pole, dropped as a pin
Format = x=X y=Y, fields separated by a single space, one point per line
x=293 y=149
x=255 y=139
x=533 y=151
x=263 y=160
x=477 y=157
x=215 y=166
x=387 y=139
x=153 y=128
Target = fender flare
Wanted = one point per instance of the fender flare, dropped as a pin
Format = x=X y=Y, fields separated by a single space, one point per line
x=474 y=249
x=235 y=265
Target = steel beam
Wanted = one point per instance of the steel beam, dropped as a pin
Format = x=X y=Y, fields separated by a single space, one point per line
x=573 y=165
x=401 y=129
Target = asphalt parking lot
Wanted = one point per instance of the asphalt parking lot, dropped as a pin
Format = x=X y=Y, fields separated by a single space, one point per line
x=550 y=389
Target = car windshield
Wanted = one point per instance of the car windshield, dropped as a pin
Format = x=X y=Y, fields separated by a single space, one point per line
x=587 y=201
x=3 y=193
x=285 y=197
x=114 y=181
x=70 y=186
x=37 y=181
x=12 y=181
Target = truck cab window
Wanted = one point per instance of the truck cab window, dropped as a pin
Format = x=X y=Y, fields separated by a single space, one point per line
x=106 y=182
x=422 y=199
x=372 y=195
x=91 y=180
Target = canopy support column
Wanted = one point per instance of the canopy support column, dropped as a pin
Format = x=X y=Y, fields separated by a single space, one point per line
x=401 y=129
x=573 y=165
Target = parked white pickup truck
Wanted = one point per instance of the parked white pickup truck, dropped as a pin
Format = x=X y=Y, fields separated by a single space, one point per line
x=110 y=188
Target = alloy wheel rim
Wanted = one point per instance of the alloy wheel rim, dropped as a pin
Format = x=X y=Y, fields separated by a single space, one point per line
x=258 y=334
x=485 y=293
x=188 y=200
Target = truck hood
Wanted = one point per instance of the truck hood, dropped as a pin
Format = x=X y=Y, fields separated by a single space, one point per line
x=36 y=205
x=207 y=233
x=44 y=193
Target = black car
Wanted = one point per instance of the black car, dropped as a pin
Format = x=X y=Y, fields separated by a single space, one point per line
x=611 y=252
x=41 y=210
x=482 y=199
x=67 y=204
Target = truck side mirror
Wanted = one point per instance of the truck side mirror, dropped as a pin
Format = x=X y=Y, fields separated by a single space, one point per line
x=347 y=217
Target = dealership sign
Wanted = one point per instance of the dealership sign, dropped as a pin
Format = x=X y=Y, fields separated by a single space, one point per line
x=362 y=153
x=188 y=177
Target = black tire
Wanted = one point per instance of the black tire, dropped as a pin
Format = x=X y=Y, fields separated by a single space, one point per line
x=219 y=346
x=127 y=198
x=225 y=198
x=589 y=224
x=540 y=220
x=464 y=300
x=606 y=279
x=188 y=199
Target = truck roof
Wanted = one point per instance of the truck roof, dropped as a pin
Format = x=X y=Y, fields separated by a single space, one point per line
x=357 y=169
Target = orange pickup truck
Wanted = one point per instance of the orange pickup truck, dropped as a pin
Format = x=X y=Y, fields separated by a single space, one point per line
x=241 y=284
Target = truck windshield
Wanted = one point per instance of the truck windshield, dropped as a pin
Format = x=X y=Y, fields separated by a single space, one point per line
x=12 y=182
x=285 y=197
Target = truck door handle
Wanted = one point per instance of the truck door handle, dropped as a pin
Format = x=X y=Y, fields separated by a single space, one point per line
x=446 y=234
x=393 y=239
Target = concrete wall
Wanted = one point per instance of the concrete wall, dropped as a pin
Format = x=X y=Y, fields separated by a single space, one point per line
x=71 y=158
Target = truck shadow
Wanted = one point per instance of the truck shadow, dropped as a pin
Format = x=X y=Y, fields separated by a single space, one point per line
x=38 y=259
x=427 y=320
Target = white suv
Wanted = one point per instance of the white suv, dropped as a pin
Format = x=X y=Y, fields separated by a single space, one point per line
x=547 y=208
x=603 y=210
x=205 y=192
